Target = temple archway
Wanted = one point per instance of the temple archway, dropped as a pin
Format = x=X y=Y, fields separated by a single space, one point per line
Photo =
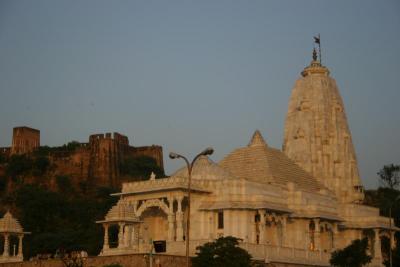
x=327 y=236
x=154 y=224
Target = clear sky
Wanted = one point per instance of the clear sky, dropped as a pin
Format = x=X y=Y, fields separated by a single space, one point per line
x=192 y=74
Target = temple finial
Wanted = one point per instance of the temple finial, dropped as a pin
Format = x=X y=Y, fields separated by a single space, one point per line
x=317 y=40
x=314 y=55
x=257 y=140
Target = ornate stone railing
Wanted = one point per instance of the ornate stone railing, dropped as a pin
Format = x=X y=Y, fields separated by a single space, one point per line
x=263 y=252
x=162 y=184
x=269 y=253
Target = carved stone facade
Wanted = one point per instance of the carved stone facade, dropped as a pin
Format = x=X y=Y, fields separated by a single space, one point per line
x=317 y=135
x=290 y=207
x=12 y=235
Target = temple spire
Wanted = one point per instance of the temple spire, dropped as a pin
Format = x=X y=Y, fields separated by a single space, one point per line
x=257 y=139
x=317 y=135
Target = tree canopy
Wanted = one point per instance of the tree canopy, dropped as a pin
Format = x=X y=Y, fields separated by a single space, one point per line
x=389 y=176
x=223 y=252
x=354 y=255
x=140 y=167
x=61 y=221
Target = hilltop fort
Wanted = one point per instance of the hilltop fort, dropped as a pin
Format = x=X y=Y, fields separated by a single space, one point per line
x=98 y=161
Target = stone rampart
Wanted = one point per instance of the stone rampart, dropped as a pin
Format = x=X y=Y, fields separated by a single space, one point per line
x=153 y=151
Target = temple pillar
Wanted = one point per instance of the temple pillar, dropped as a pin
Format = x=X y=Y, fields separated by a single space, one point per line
x=393 y=243
x=284 y=232
x=171 y=228
x=121 y=235
x=377 y=246
x=20 y=237
x=210 y=225
x=179 y=226
x=135 y=236
x=262 y=227
x=128 y=235
x=179 y=220
x=317 y=234
x=6 y=252
x=106 y=245
x=335 y=233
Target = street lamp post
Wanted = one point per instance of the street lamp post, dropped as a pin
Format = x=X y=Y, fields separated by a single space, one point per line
x=172 y=155
x=390 y=229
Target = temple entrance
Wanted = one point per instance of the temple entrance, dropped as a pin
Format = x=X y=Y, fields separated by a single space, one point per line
x=155 y=224
x=327 y=242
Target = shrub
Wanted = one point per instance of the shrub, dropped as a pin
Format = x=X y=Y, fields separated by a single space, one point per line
x=354 y=255
x=223 y=252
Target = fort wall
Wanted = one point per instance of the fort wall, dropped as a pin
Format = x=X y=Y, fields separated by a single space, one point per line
x=152 y=151
x=25 y=140
x=97 y=161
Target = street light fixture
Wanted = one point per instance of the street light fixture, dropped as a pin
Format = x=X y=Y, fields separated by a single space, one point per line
x=390 y=227
x=172 y=155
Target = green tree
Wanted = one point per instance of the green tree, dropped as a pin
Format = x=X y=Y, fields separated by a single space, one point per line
x=40 y=165
x=59 y=220
x=140 y=167
x=354 y=255
x=389 y=176
x=223 y=252
x=2 y=158
x=64 y=183
x=18 y=165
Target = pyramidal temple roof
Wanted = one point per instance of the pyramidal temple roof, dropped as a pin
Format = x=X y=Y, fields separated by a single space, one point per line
x=257 y=139
x=204 y=169
x=260 y=163
x=9 y=224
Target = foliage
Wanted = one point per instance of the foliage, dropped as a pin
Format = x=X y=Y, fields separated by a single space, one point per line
x=384 y=199
x=395 y=256
x=222 y=252
x=3 y=183
x=18 y=165
x=354 y=255
x=64 y=183
x=72 y=260
x=61 y=221
x=141 y=167
x=40 y=165
x=46 y=150
x=2 y=158
x=389 y=176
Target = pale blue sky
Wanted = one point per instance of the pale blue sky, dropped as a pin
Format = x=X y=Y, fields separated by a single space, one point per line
x=190 y=74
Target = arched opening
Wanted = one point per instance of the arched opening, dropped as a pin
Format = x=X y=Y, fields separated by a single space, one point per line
x=370 y=235
x=273 y=232
x=326 y=234
x=257 y=219
x=385 y=247
x=13 y=245
x=155 y=224
x=1 y=244
x=113 y=235
x=311 y=232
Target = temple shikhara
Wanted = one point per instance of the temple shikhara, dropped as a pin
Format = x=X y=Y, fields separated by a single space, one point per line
x=290 y=207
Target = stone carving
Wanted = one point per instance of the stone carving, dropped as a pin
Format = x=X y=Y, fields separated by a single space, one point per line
x=326 y=149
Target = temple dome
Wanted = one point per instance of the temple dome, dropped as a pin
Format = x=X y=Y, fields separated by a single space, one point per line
x=121 y=211
x=9 y=224
x=204 y=169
